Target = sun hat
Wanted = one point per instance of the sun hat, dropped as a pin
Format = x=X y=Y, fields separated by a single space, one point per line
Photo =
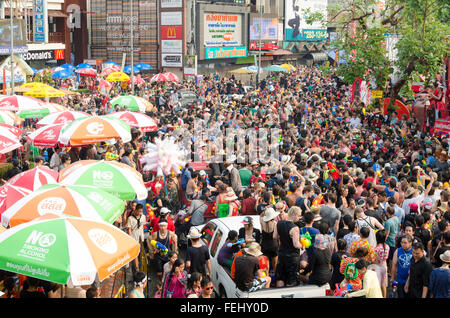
x=313 y=177
x=230 y=195
x=409 y=192
x=270 y=214
x=194 y=233
x=445 y=257
x=253 y=249
x=285 y=159
x=202 y=173
x=164 y=211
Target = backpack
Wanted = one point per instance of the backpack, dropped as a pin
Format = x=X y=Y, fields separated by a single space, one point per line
x=350 y=271
x=226 y=177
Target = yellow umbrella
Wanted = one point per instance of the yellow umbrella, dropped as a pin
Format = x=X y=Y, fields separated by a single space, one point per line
x=288 y=67
x=118 y=77
x=44 y=91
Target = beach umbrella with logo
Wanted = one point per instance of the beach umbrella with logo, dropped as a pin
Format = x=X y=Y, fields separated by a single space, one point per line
x=139 y=120
x=94 y=129
x=69 y=67
x=45 y=91
x=109 y=63
x=132 y=103
x=83 y=65
x=19 y=103
x=66 y=250
x=118 y=77
x=111 y=176
x=137 y=81
x=8 y=117
x=158 y=78
x=143 y=66
x=8 y=141
x=171 y=77
x=35 y=178
x=45 y=136
x=12 y=129
x=127 y=69
x=39 y=113
x=63 y=117
x=63 y=74
x=111 y=69
x=89 y=72
x=10 y=194
x=81 y=201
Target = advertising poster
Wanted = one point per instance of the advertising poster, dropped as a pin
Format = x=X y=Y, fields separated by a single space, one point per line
x=296 y=28
x=172 y=46
x=172 y=60
x=269 y=27
x=222 y=29
x=19 y=38
x=190 y=65
x=225 y=52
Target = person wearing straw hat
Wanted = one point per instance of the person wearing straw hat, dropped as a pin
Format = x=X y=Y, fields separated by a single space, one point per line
x=269 y=246
x=440 y=278
x=197 y=255
x=247 y=267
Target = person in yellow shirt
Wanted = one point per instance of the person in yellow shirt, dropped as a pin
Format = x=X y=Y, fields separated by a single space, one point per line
x=371 y=285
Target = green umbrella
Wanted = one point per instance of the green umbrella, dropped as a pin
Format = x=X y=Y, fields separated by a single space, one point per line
x=132 y=103
x=274 y=68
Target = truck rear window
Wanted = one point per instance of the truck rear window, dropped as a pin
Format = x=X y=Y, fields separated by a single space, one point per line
x=208 y=232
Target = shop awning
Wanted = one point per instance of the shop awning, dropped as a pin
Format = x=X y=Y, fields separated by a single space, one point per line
x=317 y=56
x=281 y=52
x=245 y=60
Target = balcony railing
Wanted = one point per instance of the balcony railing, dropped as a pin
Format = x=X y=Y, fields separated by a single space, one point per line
x=53 y=37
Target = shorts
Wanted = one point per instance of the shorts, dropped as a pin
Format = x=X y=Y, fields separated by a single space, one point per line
x=288 y=269
x=258 y=284
x=391 y=252
x=159 y=262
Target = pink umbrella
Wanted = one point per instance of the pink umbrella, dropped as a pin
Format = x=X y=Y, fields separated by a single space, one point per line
x=158 y=78
x=90 y=72
x=61 y=118
x=10 y=194
x=171 y=77
x=35 y=178
x=46 y=136
x=110 y=69
x=14 y=130
x=135 y=119
x=19 y=103
x=8 y=141
x=137 y=81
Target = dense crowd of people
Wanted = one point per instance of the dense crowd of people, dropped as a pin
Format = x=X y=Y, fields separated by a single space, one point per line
x=368 y=191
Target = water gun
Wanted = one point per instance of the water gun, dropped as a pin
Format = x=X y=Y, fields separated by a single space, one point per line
x=111 y=156
x=159 y=247
x=188 y=219
x=341 y=292
x=333 y=171
x=305 y=240
x=318 y=200
x=238 y=242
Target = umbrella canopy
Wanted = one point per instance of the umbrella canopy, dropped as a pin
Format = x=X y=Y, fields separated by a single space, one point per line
x=245 y=70
x=45 y=91
x=8 y=141
x=34 y=178
x=66 y=249
x=288 y=67
x=143 y=66
x=118 y=77
x=139 y=120
x=89 y=72
x=46 y=136
x=137 y=81
x=63 y=117
x=19 y=103
x=111 y=63
x=275 y=68
x=8 y=117
x=83 y=65
x=111 y=176
x=127 y=69
x=109 y=70
x=63 y=74
x=132 y=103
x=81 y=201
x=158 y=78
x=171 y=77
x=10 y=194
x=14 y=130
x=69 y=67
x=93 y=129
x=39 y=113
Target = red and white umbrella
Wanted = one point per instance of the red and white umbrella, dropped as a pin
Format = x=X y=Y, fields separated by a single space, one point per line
x=14 y=130
x=46 y=136
x=104 y=86
x=110 y=69
x=20 y=103
x=139 y=120
x=8 y=141
x=90 y=72
x=35 y=178
x=171 y=77
x=55 y=108
x=10 y=194
x=61 y=118
x=137 y=81
x=158 y=78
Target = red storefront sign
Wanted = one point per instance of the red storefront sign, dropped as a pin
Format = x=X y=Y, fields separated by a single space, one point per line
x=59 y=54
x=171 y=32
x=265 y=47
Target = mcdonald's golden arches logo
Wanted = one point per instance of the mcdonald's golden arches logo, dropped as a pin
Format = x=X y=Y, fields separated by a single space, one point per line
x=59 y=54
x=171 y=32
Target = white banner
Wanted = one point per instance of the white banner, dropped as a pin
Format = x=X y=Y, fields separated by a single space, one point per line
x=172 y=18
x=171 y=46
x=172 y=60
x=222 y=29
x=171 y=3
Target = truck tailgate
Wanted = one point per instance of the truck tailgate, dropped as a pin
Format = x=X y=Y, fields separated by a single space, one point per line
x=303 y=291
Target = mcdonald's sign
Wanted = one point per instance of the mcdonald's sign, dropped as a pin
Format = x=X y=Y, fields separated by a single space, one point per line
x=171 y=32
x=59 y=54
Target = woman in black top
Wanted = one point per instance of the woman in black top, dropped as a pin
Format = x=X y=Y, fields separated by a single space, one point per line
x=336 y=258
x=248 y=232
x=319 y=264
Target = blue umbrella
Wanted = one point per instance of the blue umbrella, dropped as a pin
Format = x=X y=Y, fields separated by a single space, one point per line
x=111 y=62
x=127 y=69
x=63 y=74
x=83 y=65
x=34 y=71
x=69 y=67
x=143 y=66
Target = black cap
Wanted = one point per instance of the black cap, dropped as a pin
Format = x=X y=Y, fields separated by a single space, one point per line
x=38 y=158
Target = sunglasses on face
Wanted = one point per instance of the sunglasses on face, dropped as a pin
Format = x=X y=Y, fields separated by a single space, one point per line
x=209 y=288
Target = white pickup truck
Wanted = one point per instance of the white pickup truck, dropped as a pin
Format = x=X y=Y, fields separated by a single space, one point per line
x=214 y=235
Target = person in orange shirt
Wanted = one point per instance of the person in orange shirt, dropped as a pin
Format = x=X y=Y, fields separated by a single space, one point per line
x=364 y=243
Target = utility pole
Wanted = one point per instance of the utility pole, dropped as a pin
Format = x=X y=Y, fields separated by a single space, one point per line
x=261 y=9
x=132 y=47
x=11 y=34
